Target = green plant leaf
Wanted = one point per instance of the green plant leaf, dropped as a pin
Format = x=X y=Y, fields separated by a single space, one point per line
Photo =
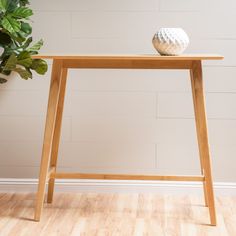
x=40 y=66
x=3 y=5
x=26 y=28
x=27 y=42
x=15 y=41
x=23 y=55
x=24 y=2
x=24 y=74
x=12 y=5
x=2 y=80
x=36 y=46
x=17 y=38
x=11 y=63
x=5 y=39
x=10 y=24
x=22 y=12
x=24 y=59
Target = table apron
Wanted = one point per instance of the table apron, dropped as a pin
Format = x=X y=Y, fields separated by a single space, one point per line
x=126 y=64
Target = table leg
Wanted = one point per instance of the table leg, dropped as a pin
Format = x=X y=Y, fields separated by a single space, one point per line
x=198 y=135
x=56 y=134
x=48 y=134
x=202 y=135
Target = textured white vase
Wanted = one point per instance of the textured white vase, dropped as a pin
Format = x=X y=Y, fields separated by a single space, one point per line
x=170 y=41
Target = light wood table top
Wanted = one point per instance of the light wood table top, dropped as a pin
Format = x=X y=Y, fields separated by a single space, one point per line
x=155 y=57
x=145 y=61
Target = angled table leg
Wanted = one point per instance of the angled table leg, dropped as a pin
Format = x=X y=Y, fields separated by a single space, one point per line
x=57 y=133
x=202 y=135
x=198 y=134
x=48 y=135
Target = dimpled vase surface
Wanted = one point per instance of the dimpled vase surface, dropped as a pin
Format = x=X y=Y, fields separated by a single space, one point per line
x=170 y=41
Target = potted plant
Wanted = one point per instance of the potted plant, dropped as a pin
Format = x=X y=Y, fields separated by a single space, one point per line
x=15 y=41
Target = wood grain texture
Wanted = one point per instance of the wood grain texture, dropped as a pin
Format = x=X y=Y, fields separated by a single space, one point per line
x=125 y=63
x=48 y=135
x=125 y=177
x=154 y=57
x=57 y=133
x=197 y=121
x=129 y=61
x=202 y=134
x=55 y=109
x=90 y=214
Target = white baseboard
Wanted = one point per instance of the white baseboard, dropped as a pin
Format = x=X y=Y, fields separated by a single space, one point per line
x=118 y=186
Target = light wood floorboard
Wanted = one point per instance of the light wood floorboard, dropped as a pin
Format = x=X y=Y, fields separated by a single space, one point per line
x=116 y=214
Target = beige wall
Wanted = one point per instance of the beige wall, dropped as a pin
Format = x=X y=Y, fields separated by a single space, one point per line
x=125 y=121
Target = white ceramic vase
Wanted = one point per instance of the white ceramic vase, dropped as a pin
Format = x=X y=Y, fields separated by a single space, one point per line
x=170 y=41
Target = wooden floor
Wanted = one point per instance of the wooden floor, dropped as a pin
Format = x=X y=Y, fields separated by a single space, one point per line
x=115 y=214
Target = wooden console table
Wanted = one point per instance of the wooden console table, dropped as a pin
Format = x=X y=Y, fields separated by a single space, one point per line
x=61 y=64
